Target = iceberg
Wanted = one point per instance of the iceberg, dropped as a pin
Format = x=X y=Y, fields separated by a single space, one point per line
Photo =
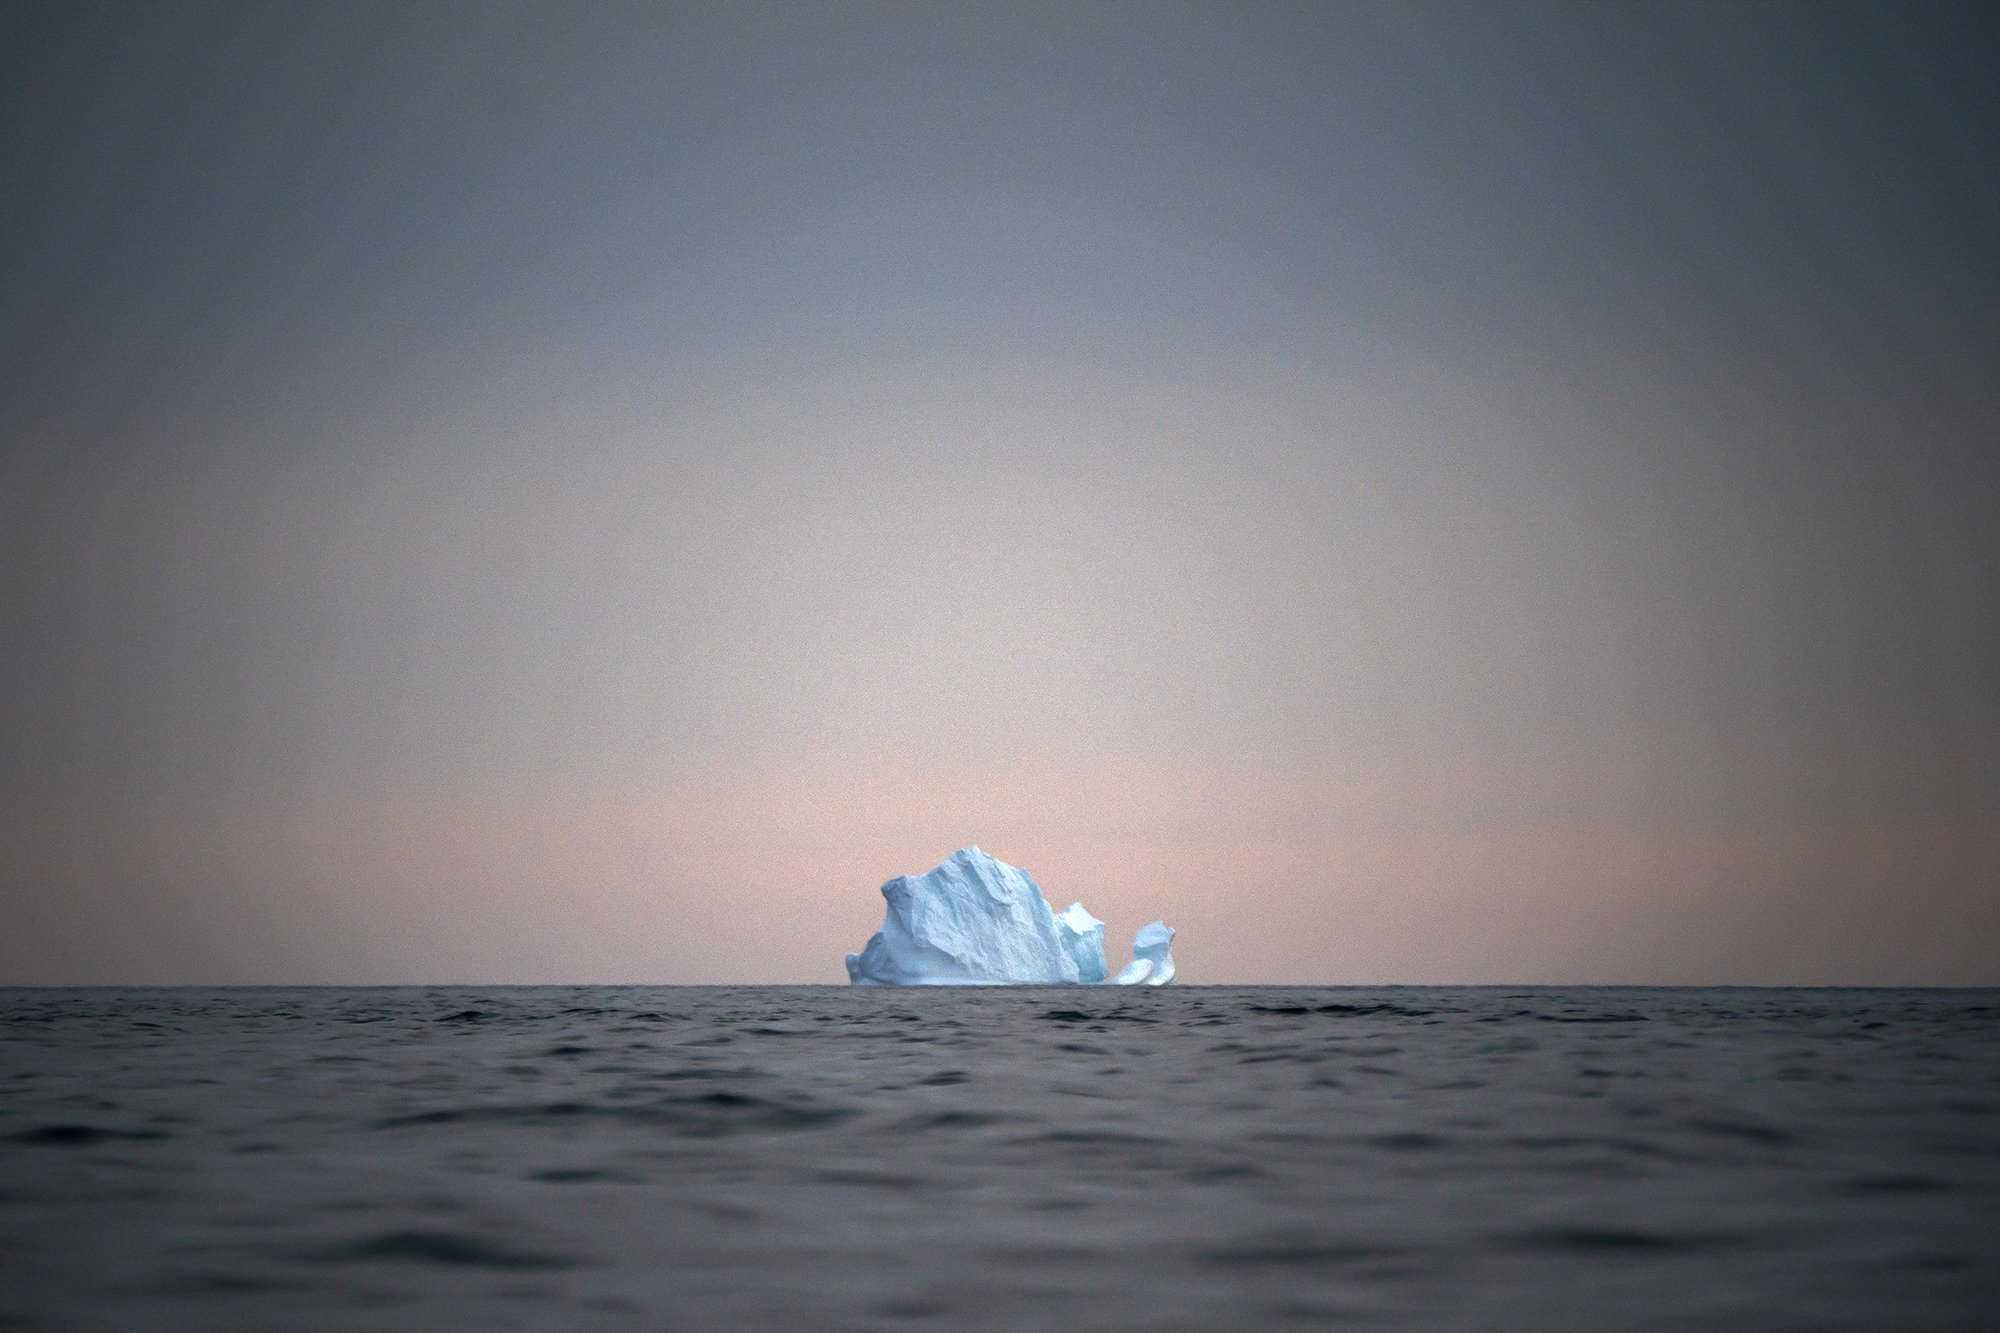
x=977 y=921
x=1151 y=964
x=1082 y=938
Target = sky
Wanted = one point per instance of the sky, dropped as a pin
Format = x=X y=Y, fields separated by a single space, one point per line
x=1408 y=493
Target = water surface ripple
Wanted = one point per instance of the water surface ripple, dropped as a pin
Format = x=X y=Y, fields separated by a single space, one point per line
x=831 y=1158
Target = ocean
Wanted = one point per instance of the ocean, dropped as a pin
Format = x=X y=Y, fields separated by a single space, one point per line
x=1188 y=1157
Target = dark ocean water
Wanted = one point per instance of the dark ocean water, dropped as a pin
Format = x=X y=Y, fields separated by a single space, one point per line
x=829 y=1158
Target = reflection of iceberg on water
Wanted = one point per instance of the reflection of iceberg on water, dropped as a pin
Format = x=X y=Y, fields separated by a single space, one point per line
x=977 y=921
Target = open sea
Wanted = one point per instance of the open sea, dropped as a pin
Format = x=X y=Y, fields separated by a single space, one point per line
x=810 y=1157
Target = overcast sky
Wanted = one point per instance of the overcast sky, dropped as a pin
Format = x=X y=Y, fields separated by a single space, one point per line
x=1407 y=492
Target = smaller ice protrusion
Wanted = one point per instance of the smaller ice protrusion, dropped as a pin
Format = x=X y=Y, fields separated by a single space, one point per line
x=1082 y=937
x=1152 y=964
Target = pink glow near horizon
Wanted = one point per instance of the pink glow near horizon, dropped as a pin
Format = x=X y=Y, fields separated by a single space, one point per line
x=768 y=877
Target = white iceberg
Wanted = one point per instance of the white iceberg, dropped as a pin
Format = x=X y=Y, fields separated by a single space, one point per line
x=1151 y=964
x=1082 y=938
x=978 y=921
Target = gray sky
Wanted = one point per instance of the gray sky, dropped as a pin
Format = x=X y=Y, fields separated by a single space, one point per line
x=1408 y=492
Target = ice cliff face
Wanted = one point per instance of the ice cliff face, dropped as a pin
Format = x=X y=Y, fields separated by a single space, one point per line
x=975 y=921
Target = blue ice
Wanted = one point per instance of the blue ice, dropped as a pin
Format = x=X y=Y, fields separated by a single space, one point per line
x=977 y=921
